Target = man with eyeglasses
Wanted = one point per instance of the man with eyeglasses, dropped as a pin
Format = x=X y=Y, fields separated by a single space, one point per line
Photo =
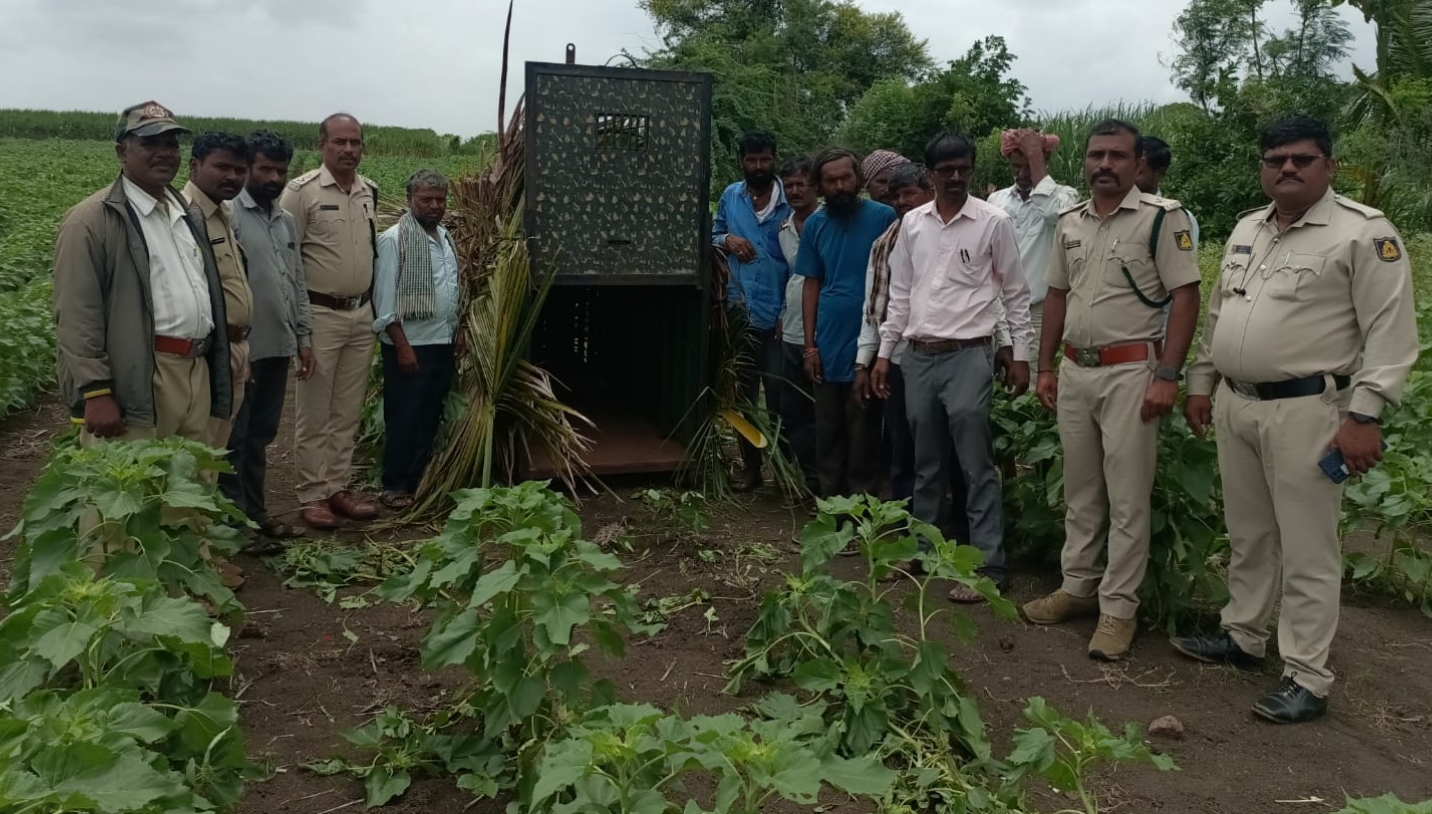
x=1312 y=332
x=1119 y=258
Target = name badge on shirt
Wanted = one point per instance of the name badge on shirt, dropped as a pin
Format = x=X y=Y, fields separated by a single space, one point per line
x=329 y=207
x=1242 y=249
x=217 y=240
x=1072 y=244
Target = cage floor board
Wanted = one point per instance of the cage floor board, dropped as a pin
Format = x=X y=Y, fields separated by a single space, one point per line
x=622 y=445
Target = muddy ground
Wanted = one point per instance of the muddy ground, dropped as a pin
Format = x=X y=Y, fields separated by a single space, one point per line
x=302 y=682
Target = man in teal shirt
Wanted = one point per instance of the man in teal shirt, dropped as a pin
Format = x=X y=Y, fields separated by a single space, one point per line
x=415 y=297
x=834 y=252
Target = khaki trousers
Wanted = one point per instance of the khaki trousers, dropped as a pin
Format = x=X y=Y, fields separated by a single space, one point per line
x=1109 y=460
x=181 y=402
x=1282 y=516
x=220 y=428
x=329 y=406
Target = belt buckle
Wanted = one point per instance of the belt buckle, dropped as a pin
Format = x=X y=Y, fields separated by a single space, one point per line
x=1087 y=357
x=1244 y=389
x=350 y=303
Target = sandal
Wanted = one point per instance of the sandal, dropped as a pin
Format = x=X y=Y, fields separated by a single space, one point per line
x=396 y=500
x=965 y=595
x=275 y=529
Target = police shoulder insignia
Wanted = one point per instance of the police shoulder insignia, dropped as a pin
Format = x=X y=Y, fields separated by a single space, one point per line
x=1184 y=241
x=1387 y=249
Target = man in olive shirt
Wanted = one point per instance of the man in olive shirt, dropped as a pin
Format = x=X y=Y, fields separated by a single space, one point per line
x=282 y=328
x=218 y=167
x=1118 y=260
x=1312 y=332
x=334 y=210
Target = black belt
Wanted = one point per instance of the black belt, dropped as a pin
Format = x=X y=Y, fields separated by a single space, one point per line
x=338 y=303
x=934 y=346
x=1287 y=389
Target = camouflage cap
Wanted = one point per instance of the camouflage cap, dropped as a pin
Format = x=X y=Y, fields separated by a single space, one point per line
x=146 y=119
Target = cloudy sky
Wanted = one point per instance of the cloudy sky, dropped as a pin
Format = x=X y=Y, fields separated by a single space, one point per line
x=435 y=63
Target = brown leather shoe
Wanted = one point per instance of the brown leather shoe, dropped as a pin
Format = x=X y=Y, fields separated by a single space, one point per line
x=230 y=576
x=316 y=515
x=347 y=505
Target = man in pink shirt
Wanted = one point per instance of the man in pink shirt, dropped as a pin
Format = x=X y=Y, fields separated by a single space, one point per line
x=955 y=259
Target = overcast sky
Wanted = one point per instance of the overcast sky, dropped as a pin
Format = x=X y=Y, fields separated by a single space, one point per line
x=435 y=63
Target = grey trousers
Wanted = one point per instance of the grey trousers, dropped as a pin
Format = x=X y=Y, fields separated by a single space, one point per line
x=947 y=398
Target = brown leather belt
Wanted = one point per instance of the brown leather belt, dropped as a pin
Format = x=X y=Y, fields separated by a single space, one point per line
x=1112 y=355
x=338 y=303
x=238 y=333
x=930 y=347
x=179 y=346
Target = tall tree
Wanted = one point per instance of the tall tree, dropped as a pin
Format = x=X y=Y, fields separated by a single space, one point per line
x=1214 y=41
x=1313 y=47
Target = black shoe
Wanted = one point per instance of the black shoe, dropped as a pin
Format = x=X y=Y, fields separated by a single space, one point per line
x=1291 y=703
x=1220 y=649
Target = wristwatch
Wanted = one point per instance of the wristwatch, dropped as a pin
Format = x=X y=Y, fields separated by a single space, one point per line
x=1168 y=374
x=1362 y=418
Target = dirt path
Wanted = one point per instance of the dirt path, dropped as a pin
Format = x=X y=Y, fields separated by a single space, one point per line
x=303 y=682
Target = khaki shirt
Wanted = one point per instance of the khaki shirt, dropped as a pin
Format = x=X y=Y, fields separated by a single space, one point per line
x=1332 y=294
x=233 y=277
x=337 y=231
x=1090 y=255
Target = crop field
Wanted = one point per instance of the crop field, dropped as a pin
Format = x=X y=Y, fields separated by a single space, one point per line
x=645 y=650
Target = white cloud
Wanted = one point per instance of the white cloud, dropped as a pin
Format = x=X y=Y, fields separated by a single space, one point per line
x=435 y=63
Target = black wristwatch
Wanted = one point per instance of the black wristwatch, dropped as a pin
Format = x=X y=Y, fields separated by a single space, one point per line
x=1363 y=418
x=1168 y=374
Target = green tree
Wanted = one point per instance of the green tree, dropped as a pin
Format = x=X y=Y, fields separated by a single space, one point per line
x=1214 y=41
x=975 y=94
x=793 y=67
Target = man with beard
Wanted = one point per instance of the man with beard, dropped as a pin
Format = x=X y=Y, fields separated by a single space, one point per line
x=416 y=298
x=1313 y=332
x=748 y=226
x=797 y=401
x=335 y=213
x=877 y=169
x=282 y=328
x=218 y=167
x=834 y=252
x=138 y=296
x=1033 y=203
x=955 y=260
x=1119 y=258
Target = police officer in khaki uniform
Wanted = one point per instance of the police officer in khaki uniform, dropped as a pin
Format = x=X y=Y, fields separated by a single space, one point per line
x=334 y=210
x=1312 y=332
x=1119 y=258
x=218 y=168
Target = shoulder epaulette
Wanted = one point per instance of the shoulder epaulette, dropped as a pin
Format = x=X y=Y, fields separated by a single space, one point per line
x=1362 y=209
x=1080 y=205
x=370 y=182
x=1166 y=204
x=303 y=179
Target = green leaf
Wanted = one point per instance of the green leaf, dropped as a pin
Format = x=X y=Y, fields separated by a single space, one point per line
x=20 y=678
x=384 y=783
x=526 y=697
x=145 y=724
x=817 y=675
x=452 y=641
x=563 y=764
x=1033 y=748
x=557 y=613
x=929 y=667
x=494 y=583
x=821 y=540
x=174 y=617
x=860 y=775
x=63 y=643
x=107 y=779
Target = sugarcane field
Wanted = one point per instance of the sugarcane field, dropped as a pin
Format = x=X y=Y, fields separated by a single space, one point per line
x=717 y=407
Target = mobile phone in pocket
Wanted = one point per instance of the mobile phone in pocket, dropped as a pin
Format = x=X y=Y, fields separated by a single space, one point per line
x=1335 y=467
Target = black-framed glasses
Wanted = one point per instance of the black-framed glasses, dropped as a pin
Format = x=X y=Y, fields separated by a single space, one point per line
x=950 y=172
x=1301 y=161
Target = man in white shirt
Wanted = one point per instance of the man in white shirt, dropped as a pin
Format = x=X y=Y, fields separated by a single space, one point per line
x=955 y=259
x=1033 y=204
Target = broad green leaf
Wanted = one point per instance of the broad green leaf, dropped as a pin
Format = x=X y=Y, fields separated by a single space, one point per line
x=526 y=697
x=798 y=776
x=384 y=783
x=144 y=723
x=176 y=617
x=821 y=540
x=557 y=613
x=1033 y=748
x=494 y=583
x=860 y=775
x=562 y=764
x=62 y=644
x=457 y=568
x=817 y=675
x=110 y=780
x=929 y=667
x=452 y=641
x=20 y=678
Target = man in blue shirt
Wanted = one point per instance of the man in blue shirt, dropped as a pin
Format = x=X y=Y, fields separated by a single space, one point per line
x=834 y=252
x=415 y=297
x=748 y=227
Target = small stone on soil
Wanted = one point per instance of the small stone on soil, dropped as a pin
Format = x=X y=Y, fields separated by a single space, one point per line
x=1167 y=726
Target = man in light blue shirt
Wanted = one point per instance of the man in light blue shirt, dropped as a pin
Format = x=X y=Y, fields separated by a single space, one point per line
x=415 y=297
x=748 y=227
